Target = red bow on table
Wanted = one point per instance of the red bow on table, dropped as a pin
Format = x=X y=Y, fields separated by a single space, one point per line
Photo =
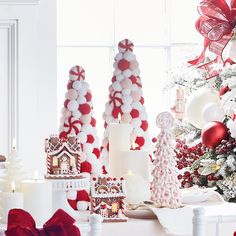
x=216 y=24
x=21 y=223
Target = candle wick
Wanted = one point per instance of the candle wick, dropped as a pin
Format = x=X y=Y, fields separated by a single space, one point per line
x=13 y=190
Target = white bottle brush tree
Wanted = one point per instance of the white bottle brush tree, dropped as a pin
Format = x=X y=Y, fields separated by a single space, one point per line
x=126 y=99
x=165 y=184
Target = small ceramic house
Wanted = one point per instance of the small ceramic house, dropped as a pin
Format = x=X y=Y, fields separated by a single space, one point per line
x=107 y=198
x=63 y=157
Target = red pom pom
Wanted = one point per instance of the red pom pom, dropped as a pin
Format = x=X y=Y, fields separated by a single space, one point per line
x=73 y=203
x=69 y=85
x=93 y=122
x=84 y=108
x=96 y=152
x=213 y=133
x=133 y=79
x=141 y=100
x=104 y=170
x=115 y=112
x=66 y=103
x=90 y=138
x=140 y=141
x=224 y=90
x=88 y=97
x=82 y=195
x=105 y=125
x=86 y=167
x=134 y=113
x=63 y=135
x=123 y=64
x=113 y=80
x=144 y=125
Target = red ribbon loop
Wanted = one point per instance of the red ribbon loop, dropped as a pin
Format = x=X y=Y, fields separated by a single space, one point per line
x=21 y=223
x=216 y=25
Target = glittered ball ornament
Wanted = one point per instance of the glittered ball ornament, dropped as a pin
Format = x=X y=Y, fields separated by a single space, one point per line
x=213 y=133
x=123 y=64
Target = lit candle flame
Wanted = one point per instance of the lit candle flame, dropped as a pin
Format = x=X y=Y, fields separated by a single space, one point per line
x=119 y=117
x=130 y=172
x=36 y=175
x=13 y=186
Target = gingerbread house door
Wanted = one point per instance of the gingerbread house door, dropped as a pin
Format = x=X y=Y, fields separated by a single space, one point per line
x=64 y=165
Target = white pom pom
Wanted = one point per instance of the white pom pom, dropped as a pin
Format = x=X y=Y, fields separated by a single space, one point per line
x=92 y=159
x=82 y=136
x=143 y=115
x=81 y=100
x=77 y=85
x=76 y=114
x=86 y=128
x=115 y=65
x=134 y=87
x=83 y=91
x=85 y=174
x=120 y=77
x=86 y=119
x=136 y=72
x=127 y=73
x=109 y=119
x=137 y=105
x=71 y=194
x=117 y=72
x=97 y=167
x=126 y=91
x=85 y=85
x=72 y=105
x=126 y=108
x=138 y=131
x=117 y=86
x=129 y=56
x=83 y=157
x=136 y=122
x=82 y=205
x=127 y=99
x=88 y=148
x=118 y=56
x=108 y=108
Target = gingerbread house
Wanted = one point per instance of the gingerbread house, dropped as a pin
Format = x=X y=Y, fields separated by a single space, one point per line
x=107 y=198
x=63 y=157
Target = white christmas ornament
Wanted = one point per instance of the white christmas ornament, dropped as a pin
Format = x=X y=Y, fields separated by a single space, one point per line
x=213 y=112
x=196 y=103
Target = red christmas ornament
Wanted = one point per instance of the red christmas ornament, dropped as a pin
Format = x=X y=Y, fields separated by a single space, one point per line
x=123 y=64
x=84 y=108
x=82 y=195
x=140 y=141
x=213 y=133
x=86 y=167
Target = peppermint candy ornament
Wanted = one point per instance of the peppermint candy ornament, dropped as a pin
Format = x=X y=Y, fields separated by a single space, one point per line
x=77 y=73
x=125 y=45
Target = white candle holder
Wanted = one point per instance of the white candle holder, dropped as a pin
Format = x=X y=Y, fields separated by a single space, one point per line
x=60 y=186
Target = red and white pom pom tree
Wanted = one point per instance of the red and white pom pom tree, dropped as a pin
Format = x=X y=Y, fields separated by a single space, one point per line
x=77 y=119
x=126 y=98
x=165 y=185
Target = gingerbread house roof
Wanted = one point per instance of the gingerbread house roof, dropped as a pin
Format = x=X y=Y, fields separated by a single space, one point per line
x=107 y=187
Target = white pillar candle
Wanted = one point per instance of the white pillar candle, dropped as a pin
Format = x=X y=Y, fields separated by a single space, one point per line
x=137 y=161
x=119 y=141
x=11 y=200
x=38 y=199
x=137 y=188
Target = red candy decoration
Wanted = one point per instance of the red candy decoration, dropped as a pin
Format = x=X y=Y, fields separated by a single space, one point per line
x=78 y=71
x=123 y=64
x=82 y=195
x=88 y=97
x=96 y=152
x=125 y=45
x=90 y=138
x=63 y=135
x=134 y=113
x=86 y=167
x=140 y=141
x=133 y=79
x=144 y=125
x=115 y=112
x=84 y=108
x=93 y=122
x=213 y=133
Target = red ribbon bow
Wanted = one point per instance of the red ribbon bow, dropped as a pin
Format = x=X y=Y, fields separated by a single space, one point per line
x=21 y=223
x=216 y=24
